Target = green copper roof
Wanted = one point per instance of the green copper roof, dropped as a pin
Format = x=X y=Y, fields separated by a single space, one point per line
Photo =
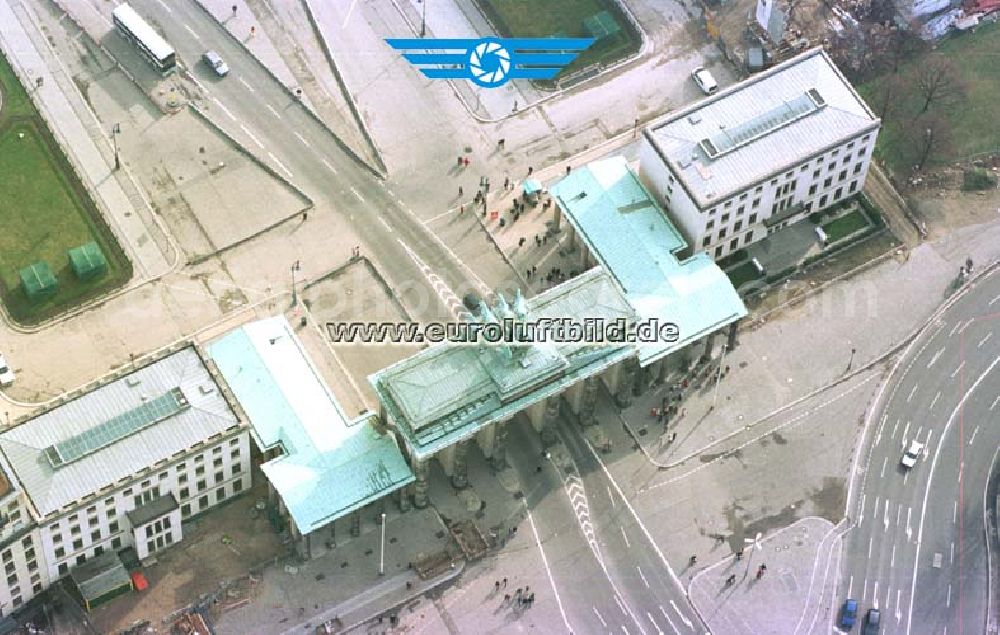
x=447 y=393
x=331 y=466
x=633 y=239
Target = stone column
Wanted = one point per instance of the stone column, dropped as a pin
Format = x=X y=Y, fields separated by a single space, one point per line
x=332 y=542
x=549 y=420
x=709 y=346
x=499 y=458
x=420 y=485
x=626 y=379
x=404 y=499
x=460 y=469
x=356 y=523
x=556 y=216
x=661 y=375
x=731 y=342
x=588 y=401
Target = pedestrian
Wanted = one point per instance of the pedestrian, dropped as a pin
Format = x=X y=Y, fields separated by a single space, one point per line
x=305 y=215
x=496 y=585
x=460 y=161
x=234 y=9
x=516 y=216
x=517 y=593
x=692 y=560
x=461 y=209
x=253 y=31
x=538 y=241
x=466 y=161
x=545 y=238
x=506 y=597
x=530 y=170
x=505 y=583
x=460 y=190
x=567 y=170
x=503 y=222
x=500 y=144
x=506 y=183
x=531 y=598
x=534 y=268
x=520 y=242
x=515 y=104
x=739 y=554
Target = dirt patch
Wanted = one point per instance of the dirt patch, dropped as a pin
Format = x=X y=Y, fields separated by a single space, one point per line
x=830 y=499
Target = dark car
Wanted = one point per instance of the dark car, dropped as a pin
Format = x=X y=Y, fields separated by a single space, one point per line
x=848 y=614
x=872 y=621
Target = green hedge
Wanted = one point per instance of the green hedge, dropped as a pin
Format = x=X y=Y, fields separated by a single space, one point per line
x=978 y=179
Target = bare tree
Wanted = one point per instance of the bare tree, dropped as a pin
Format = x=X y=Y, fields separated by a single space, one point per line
x=936 y=83
x=928 y=139
x=888 y=94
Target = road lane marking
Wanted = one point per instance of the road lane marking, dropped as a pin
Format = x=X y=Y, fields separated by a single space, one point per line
x=280 y=164
x=954 y=512
x=191 y=31
x=302 y=139
x=861 y=512
x=899 y=613
x=885 y=463
x=952 y=557
x=955 y=372
x=906 y=429
x=894 y=427
x=899 y=513
x=273 y=111
x=911 y=393
x=247 y=84
x=875 y=509
x=995 y=401
x=655 y=625
x=966 y=325
x=612 y=498
x=875 y=595
x=864 y=591
x=994 y=300
x=948 y=601
x=871 y=539
x=328 y=166
x=954 y=328
x=936 y=356
x=625 y=536
x=165 y=6
x=621 y=606
x=885 y=515
x=909 y=530
x=892 y=559
x=983 y=341
x=251 y=135
x=357 y=193
x=224 y=109
x=973 y=437
x=548 y=571
x=850 y=586
x=598 y=614
x=934 y=401
x=385 y=224
x=683 y=617
x=642 y=577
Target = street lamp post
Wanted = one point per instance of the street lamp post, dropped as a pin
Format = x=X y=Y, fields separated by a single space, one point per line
x=296 y=266
x=115 y=130
x=381 y=559
x=718 y=378
x=423 y=19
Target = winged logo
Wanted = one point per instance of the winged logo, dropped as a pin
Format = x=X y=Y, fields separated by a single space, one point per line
x=490 y=62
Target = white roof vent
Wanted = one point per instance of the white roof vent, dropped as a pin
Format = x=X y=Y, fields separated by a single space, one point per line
x=132 y=381
x=694 y=118
x=206 y=389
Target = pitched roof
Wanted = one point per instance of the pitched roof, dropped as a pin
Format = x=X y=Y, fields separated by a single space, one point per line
x=122 y=451
x=331 y=465
x=773 y=120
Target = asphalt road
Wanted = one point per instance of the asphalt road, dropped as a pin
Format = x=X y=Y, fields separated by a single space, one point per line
x=257 y=111
x=918 y=551
x=606 y=572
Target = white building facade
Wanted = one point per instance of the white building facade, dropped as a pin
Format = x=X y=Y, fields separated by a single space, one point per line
x=760 y=155
x=24 y=571
x=121 y=465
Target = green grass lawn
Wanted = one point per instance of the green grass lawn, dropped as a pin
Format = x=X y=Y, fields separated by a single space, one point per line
x=44 y=212
x=743 y=274
x=531 y=18
x=976 y=57
x=845 y=226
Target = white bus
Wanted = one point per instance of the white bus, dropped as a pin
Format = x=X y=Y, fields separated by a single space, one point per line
x=153 y=47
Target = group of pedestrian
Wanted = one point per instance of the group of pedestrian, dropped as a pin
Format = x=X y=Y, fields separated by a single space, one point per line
x=531 y=272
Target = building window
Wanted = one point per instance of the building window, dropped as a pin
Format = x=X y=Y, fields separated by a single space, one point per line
x=181 y=467
x=127 y=492
x=166 y=522
x=737 y=226
x=235 y=454
x=759 y=189
x=217 y=462
x=237 y=486
x=109 y=502
x=183 y=478
x=842 y=176
x=98 y=551
x=11 y=579
x=865 y=138
x=220 y=494
x=77 y=544
x=712 y=211
x=199 y=459
x=32 y=565
x=95 y=536
x=73 y=518
x=185 y=510
x=836 y=195
x=722 y=233
x=857 y=168
x=203 y=502
x=111 y=513
x=113 y=527
x=200 y=470
x=828 y=181
x=17 y=601
x=137 y=500
x=145 y=484
x=753 y=218
x=56 y=537
x=747 y=238
x=36 y=588
x=163 y=475
x=789 y=175
x=850 y=145
x=774 y=181
x=184 y=492
x=812 y=189
x=718 y=251
x=710 y=224
x=744 y=196
x=822 y=201
x=116 y=542
x=10 y=567
x=740 y=211
x=237 y=468
x=63 y=568
x=756 y=203
x=704 y=243
x=725 y=218
x=149 y=531
x=80 y=559
x=217 y=449
x=60 y=552
x=150 y=546
x=816 y=174
x=75 y=530
x=854 y=186
x=847 y=159
x=804 y=168
x=202 y=485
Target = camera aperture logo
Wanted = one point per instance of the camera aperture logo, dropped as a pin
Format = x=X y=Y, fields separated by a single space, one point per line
x=491 y=62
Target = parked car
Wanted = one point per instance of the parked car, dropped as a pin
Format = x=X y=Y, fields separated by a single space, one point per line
x=215 y=62
x=912 y=454
x=6 y=374
x=848 y=614
x=704 y=79
x=872 y=621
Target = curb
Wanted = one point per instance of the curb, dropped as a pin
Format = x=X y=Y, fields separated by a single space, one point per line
x=892 y=350
x=289 y=92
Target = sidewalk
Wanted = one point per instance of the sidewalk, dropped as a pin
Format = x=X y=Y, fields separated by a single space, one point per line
x=55 y=100
x=794 y=595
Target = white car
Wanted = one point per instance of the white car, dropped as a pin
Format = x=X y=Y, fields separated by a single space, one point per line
x=214 y=61
x=912 y=454
x=6 y=374
x=705 y=81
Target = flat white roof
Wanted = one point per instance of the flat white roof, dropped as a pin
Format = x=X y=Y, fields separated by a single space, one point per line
x=774 y=120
